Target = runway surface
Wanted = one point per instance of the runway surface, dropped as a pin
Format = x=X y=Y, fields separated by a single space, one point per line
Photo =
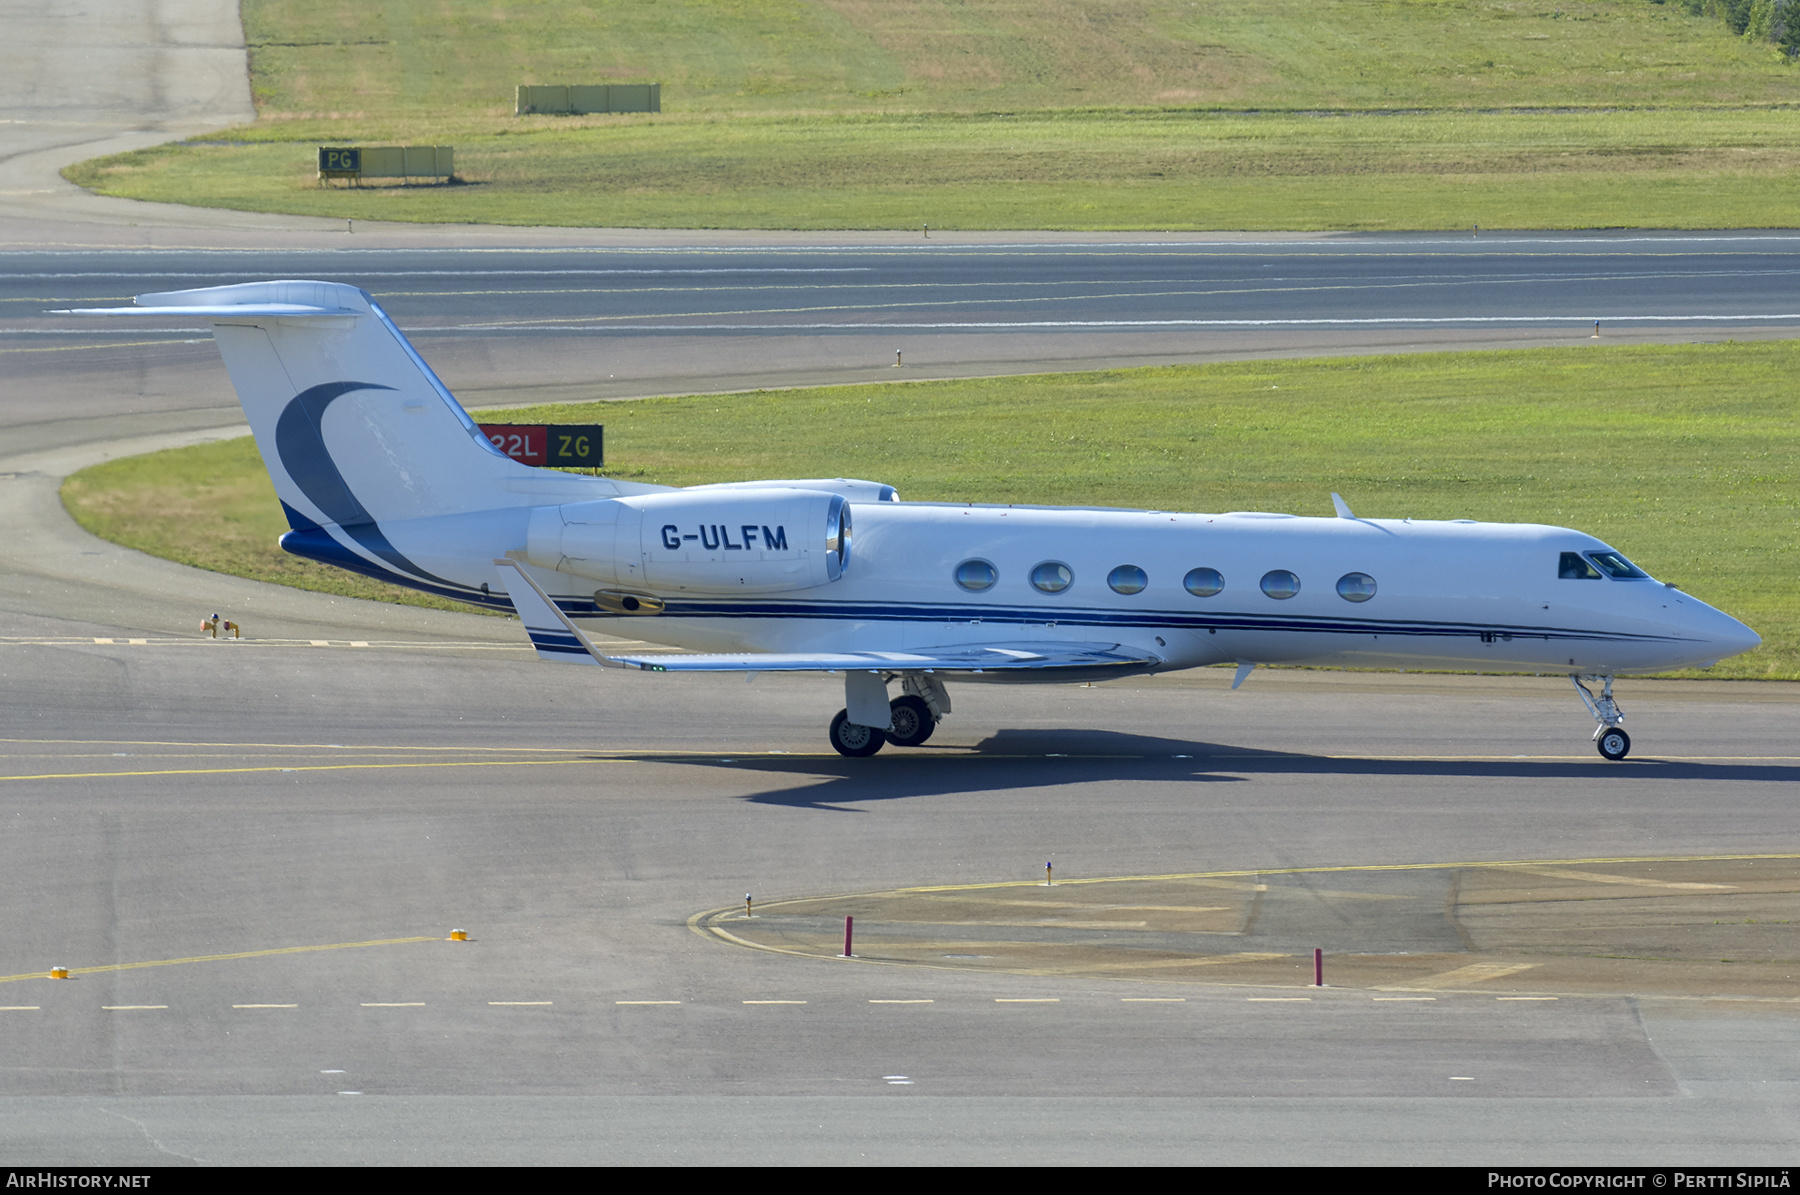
x=569 y=323
x=250 y=856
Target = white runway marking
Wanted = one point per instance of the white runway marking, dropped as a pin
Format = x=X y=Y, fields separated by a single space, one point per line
x=1010 y=325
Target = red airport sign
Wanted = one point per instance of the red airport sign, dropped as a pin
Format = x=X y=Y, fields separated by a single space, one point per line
x=550 y=445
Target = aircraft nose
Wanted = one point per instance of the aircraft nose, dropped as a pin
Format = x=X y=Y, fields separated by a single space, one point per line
x=1728 y=636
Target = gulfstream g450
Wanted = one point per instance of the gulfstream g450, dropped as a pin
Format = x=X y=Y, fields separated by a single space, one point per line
x=380 y=471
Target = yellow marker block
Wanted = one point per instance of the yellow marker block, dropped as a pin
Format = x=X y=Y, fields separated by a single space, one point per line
x=59 y=973
x=459 y=935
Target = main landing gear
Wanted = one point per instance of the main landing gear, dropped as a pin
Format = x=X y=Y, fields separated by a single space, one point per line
x=1609 y=736
x=853 y=738
x=912 y=716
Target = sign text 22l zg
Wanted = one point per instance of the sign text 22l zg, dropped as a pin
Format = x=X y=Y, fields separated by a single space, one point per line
x=551 y=445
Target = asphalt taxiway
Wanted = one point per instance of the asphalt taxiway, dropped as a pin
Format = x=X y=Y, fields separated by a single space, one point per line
x=251 y=858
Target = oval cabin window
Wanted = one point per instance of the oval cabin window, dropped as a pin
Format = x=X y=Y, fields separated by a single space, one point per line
x=976 y=575
x=1052 y=576
x=1127 y=579
x=1203 y=582
x=1280 y=584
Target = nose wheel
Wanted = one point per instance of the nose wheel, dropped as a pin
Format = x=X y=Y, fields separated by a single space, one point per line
x=1609 y=736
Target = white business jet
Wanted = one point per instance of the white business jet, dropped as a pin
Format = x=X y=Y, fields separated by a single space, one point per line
x=380 y=471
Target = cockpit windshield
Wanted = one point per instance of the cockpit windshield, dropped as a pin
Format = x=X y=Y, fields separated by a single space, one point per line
x=1617 y=567
x=1574 y=567
x=1592 y=566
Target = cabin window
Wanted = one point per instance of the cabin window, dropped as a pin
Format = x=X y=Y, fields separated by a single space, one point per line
x=1280 y=584
x=1052 y=576
x=976 y=575
x=1574 y=567
x=1203 y=582
x=1127 y=579
x=1356 y=587
x=1617 y=567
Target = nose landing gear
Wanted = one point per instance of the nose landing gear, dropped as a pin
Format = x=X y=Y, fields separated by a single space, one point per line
x=1609 y=736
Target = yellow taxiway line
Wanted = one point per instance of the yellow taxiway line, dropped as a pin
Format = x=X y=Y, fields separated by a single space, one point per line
x=219 y=958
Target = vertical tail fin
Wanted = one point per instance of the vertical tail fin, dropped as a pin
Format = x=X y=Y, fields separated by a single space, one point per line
x=377 y=466
x=352 y=424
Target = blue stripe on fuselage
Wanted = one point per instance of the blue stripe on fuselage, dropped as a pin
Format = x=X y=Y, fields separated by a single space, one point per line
x=320 y=546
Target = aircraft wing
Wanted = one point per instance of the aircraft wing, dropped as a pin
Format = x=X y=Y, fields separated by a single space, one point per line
x=558 y=639
x=971 y=658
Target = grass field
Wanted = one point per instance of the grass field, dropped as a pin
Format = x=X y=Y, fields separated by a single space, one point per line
x=1687 y=458
x=1070 y=170
x=1336 y=114
x=394 y=60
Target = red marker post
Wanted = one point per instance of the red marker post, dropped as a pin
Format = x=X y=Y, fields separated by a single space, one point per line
x=849 y=922
x=1318 y=967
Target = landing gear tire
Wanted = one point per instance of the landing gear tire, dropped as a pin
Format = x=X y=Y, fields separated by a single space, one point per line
x=912 y=721
x=1614 y=743
x=851 y=738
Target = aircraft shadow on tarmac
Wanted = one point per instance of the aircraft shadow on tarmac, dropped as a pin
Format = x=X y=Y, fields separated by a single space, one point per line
x=1019 y=759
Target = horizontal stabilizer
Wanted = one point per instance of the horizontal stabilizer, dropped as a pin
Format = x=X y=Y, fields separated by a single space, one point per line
x=230 y=311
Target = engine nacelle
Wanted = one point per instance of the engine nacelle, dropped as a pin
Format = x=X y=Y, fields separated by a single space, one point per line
x=716 y=541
